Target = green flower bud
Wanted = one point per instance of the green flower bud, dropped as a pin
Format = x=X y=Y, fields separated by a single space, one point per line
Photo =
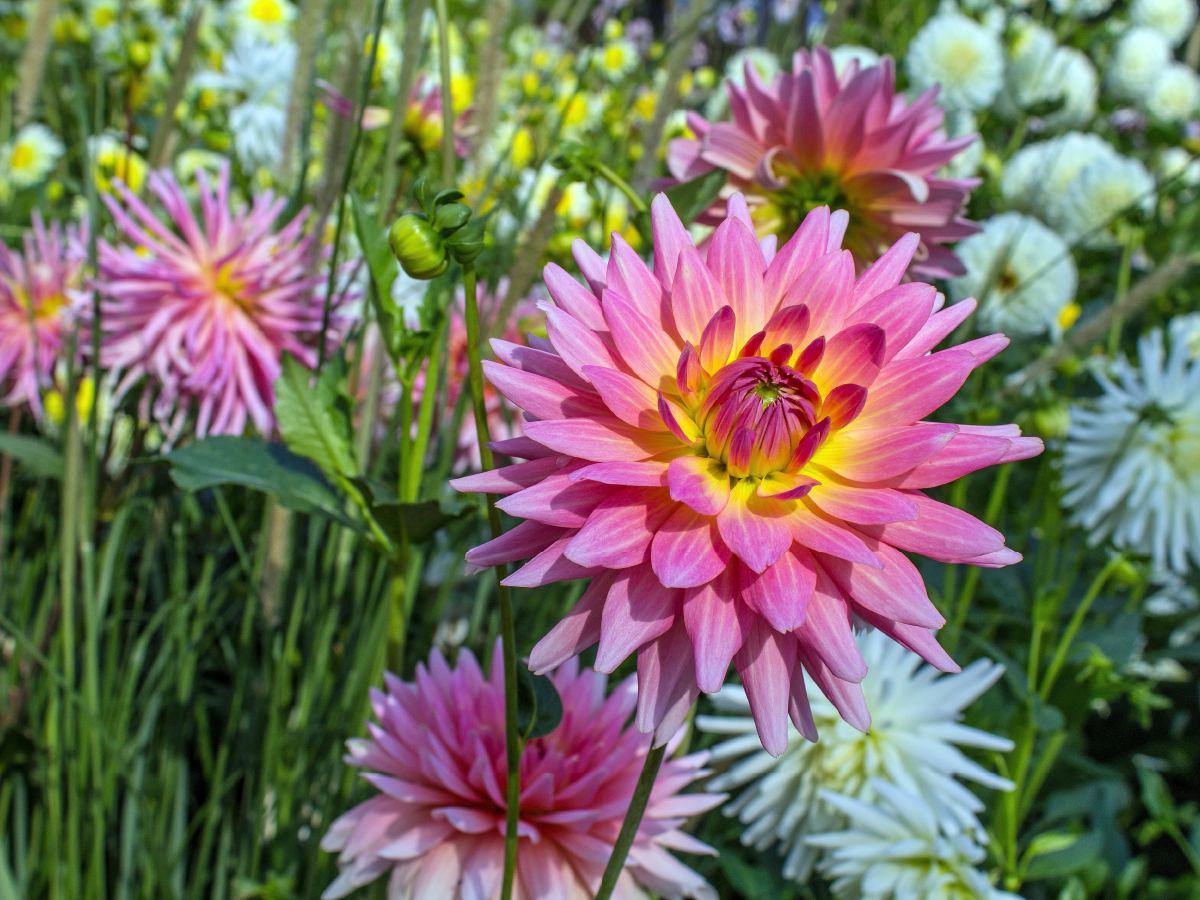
x=419 y=248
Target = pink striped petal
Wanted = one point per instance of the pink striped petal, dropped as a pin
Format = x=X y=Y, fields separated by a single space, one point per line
x=817 y=532
x=736 y=263
x=572 y=296
x=590 y=264
x=696 y=297
x=670 y=237
x=638 y=609
x=687 y=550
x=628 y=398
x=799 y=710
x=716 y=341
x=629 y=277
x=619 y=531
x=549 y=566
x=643 y=474
x=526 y=540
x=666 y=683
x=901 y=312
x=577 y=344
x=541 y=397
x=644 y=346
x=826 y=632
x=965 y=453
x=700 y=482
x=994 y=560
x=717 y=622
x=600 y=439
x=873 y=506
x=521 y=448
x=764 y=663
x=846 y=696
x=939 y=532
x=557 y=500
x=754 y=528
x=896 y=591
x=934 y=331
x=877 y=454
x=852 y=356
x=781 y=593
x=885 y=273
x=909 y=390
x=919 y=640
x=538 y=362
x=510 y=479
x=804 y=248
x=576 y=631
x=824 y=287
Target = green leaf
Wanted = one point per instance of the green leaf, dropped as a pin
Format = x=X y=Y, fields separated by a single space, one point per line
x=693 y=197
x=415 y=522
x=1156 y=795
x=37 y=455
x=313 y=420
x=293 y=480
x=1057 y=859
x=539 y=707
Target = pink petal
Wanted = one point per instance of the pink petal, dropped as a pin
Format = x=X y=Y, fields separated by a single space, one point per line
x=940 y=532
x=628 y=398
x=549 y=566
x=642 y=474
x=754 y=528
x=696 y=296
x=877 y=454
x=666 y=682
x=644 y=346
x=576 y=631
x=629 y=277
x=885 y=273
x=781 y=593
x=736 y=263
x=687 y=551
x=826 y=631
x=910 y=389
x=618 y=532
x=717 y=623
x=804 y=248
x=873 y=506
x=526 y=540
x=637 y=610
x=824 y=287
x=764 y=663
x=700 y=482
x=510 y=479
x=600 y=439
x=901 y=312
x=817 y=532
x=896 y=591
x=852 y=356
x=670 y=237
x=577 y=300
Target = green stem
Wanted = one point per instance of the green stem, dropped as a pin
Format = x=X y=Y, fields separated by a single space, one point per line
x=623 y=186
x=508 y=638
x=420 y=444
x=633 y=818
x=447 y=96
x=1060 y=654
x=963 y=604
x=1123 y=276
x=347 y=174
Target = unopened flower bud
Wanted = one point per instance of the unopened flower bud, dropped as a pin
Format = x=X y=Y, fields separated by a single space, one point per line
x=419 y=248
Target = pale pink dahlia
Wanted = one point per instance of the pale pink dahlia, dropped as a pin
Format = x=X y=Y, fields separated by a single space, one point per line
x=811 y=139
x=41 y=291
x=205 y=310
x=734 y=450
x=437 y=757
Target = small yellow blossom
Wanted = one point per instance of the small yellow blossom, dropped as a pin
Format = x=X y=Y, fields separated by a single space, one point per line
x=1068 y=316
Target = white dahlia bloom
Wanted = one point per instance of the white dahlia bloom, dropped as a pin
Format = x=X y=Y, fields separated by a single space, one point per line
x=1080 y=9
x=1021 y=272
x=915 y=715
x=1037 y=177
x=898 y=848
x=1140 y=55
x=1173 y=19
x=31 y=156
x=1175 y=94
x=1100 y=194
x=1041 y=72
x=1175 y=162
x=1131 y=468
x=962 y=56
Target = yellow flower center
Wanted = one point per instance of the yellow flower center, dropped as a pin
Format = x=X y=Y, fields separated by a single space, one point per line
x=22 y=156
x=614 y=57
x=266 y=10
x=960 y=60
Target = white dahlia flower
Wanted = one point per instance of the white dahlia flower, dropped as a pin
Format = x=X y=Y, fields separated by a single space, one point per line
x=962 y=56
x=1173 y=19
x=1102 y=193
x=1175 y=94
x=1140 y=55
x=1037 y=177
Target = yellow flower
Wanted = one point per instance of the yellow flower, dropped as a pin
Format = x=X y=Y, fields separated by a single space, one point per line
x=32 y=155
x=1069 y=314
x=522 y=148
x=613 y=29
x=529 y=84
x=462 y=91
x=706 y=77
x=644 y=105
x=112 y=159
x=266 y=11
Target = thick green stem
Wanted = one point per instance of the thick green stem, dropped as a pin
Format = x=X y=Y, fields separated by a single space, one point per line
x=420 y=444
x=633 y=818
x=508 y=638
x=447 y=96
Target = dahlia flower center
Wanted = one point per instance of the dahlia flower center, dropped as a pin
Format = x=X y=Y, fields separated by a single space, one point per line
x=755 y=414
x=22 y=156
x=230 y=287
x=802 y=193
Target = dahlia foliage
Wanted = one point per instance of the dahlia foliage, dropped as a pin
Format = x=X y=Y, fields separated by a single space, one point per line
x=40 y=293
x=734 y=449
x=206 y=311
x=437 y=756
x=810 y=138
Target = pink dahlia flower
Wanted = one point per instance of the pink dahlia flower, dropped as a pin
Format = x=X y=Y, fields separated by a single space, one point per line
x=437 y=757
x=811 y=139
x=735 y=451
x=206 y=310
x=40 y=294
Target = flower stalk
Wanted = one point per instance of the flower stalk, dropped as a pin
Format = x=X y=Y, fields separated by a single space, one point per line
x=633 y=819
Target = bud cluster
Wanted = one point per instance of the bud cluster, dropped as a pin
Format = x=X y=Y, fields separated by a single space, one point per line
x=424 y=242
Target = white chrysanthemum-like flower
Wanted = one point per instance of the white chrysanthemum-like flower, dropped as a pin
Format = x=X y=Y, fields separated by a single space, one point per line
x=864 y=56
x=617 y=59
x=915 y=713
x=1140 y=55
x=898 y=848
x=1080 y=9
x=1021 y=272
x=1131 y=468
x=1041 y=72
x=1173 y=19
x=962 y=56
x=31 y=155
x=1037 y=177
x=1105 y=190
x=1175 y=94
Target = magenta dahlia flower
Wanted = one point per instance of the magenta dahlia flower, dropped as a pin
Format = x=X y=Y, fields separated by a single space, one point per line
x=41 y=292
x=206 y=310
x=735 y=450
x=437 y=756
x=811 y=139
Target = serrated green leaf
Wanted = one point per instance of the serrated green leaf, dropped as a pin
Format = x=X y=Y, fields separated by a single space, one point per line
x=293 y=480
x=312 y=420
x=37 y=455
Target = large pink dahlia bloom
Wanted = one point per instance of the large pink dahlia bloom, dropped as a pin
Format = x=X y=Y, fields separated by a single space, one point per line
x=206 y=310
x=437 y=757
x=734 y=449
x=41 y=292
x=811 y=139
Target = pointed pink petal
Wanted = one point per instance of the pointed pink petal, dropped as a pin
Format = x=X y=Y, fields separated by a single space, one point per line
x=877 y=454
x=824 y=287
x=901 y=312
x=572 y=296
x=826 y=631
x=852 y=356
x=872 y=506
x=549 y=566
x=885 y=273
x=765 y=665
x=846 y=696
x=538 y=362
x=557 y=500
x=628 y=398
x=696 y=296
x=526 y=540
x=909 y=390
x=717 y=623
x=700 y=482
x=540 y=396
x=965 y=453
x=643 y=345
x=919 y=640
x=754 y=528
x=736 y=262
x=619 y=531
x=687 y=551
x=576 y=631
x=590 y=264
x=934 y=331
x=510 y=479
x=939 y=532
x=637 y=610
x=577 y=344
x=670 y=237
x=896 y=591
x=666 y=683
x=781 y=593
x=629 y=277
x=600 y=439
x=817 y=532
x=804 y=248
x=799 y=710
x=642 y=474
